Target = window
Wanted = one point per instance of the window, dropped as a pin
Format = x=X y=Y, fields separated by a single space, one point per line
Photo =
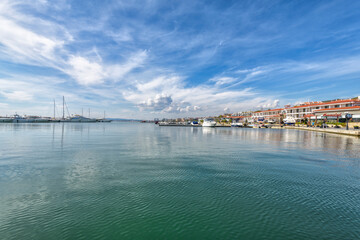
x=336 y=106
x=348 y=105
x=326 y=106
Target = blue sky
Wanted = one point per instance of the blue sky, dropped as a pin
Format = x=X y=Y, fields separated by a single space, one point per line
x=146 y=59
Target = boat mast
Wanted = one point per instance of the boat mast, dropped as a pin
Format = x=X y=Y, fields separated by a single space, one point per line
x=63 y=107
x=104 y=114
x=54 y=108
x=89 y=112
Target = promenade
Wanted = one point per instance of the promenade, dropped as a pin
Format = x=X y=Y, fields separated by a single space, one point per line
x=350 y=132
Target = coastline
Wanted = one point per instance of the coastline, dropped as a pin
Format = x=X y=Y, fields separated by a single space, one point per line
x=350 y=132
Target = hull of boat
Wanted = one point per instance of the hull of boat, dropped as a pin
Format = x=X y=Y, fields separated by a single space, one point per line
x=22 y=120
x=6 y=120
x=209 y=124
x=103 y=120
x=41 y=120
x=81 y=120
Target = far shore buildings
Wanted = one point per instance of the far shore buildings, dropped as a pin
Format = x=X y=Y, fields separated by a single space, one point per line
x=308 y=110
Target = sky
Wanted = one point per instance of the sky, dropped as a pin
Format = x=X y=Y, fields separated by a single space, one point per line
x=148 y=59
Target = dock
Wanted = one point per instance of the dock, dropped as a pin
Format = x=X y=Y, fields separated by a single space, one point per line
x=350 y=132
x=188 y=125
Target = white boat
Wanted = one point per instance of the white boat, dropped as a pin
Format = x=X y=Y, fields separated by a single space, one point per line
x=78 y=118
x=289 y=121
x=237 y=124
x=19 y=119
x=6 y=120
x=208 y=122
x=37 y=119
x=103 y=120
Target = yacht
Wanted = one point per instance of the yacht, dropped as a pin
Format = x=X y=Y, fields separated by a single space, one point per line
x=289 y=121
x=37 y=119
x=209 y=122
x=194 y=123
x=103 y=119
x=78 y=118
x=6 y=120
x=235 y=124
x=19 y=119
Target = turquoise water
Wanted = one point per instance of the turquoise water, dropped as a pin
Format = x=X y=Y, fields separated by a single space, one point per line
x=142 y=181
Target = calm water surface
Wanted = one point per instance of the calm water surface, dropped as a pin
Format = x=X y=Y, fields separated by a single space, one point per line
x=141 y=181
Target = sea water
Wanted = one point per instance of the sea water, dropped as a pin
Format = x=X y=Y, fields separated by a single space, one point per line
x=141 y=181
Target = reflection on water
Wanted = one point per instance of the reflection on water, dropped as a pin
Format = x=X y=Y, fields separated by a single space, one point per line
x=140 y=181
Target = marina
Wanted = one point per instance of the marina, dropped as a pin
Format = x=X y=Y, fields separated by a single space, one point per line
x=179 y=120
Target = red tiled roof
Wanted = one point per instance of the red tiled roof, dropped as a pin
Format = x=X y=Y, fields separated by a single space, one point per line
x=234 y=116
x=326 y=103
x=334 y=109
x=272 y=110
x=276 y=115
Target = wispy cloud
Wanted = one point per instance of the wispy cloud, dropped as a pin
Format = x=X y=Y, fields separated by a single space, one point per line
x=17 y=95
x=86 y=72
x=147 y=58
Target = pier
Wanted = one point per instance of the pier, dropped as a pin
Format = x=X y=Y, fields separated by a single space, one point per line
x=351 y=132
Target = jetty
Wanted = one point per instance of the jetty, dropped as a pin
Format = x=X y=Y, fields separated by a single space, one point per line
x=186 y=125
x=350 y=132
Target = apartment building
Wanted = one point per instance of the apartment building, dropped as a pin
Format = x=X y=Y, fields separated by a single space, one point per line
x=308 y=109
x=268 y=115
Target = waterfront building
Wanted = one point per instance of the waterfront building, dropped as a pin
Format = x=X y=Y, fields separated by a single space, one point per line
x=270 y=115
x=237 y=119
x=307 y=109
x=338 y=113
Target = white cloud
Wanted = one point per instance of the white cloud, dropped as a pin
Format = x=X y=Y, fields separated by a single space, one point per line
x=223 y=80
x=270 y=104
x=86 y=72
x=28 y=39
x=205 y=98
x=118 y=71
x=164 y=103
x=18 y=95
x=21 y=44
x=158 y=103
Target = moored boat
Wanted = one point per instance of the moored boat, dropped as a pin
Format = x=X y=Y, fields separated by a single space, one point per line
x=6 y=119
x=289 y=121
x=237 y=124
x=78 y=118
x=209 y=122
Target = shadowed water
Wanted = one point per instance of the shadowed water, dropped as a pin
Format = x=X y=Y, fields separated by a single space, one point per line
x=142 y=181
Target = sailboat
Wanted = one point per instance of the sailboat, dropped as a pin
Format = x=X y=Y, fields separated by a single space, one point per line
x=103 y=119
x=75 y=118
